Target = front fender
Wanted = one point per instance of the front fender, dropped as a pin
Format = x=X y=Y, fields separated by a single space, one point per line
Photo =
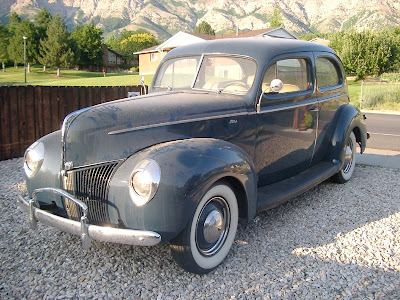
x=348 y=119
x=188 y=169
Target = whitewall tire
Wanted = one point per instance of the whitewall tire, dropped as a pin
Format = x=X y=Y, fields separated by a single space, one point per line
x=209 y=235
x=347 y=170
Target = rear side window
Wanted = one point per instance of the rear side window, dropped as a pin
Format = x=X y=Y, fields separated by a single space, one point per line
x=293 y=72
x=327 y=73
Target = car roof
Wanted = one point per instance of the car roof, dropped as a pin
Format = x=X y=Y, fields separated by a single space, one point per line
x=260 y=48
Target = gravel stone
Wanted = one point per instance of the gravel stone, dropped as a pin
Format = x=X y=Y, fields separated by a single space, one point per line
x=333 y=242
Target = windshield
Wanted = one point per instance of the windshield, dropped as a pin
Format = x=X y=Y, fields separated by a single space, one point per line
x=222 y=74
x=177 y=73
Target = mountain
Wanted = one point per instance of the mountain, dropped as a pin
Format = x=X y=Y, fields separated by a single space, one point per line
x=166 y=17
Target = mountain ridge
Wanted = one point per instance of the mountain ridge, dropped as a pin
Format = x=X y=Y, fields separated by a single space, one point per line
x=166 y=17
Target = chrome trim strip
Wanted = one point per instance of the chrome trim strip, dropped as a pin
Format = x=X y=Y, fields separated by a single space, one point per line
x=66 y=123
x=177 y=122
x=285 y=107
x=99 y=164
x=99 y=233
x=296 y=105
x=330 y=97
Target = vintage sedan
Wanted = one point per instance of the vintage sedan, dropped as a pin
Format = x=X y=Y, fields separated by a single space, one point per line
x=229 y=129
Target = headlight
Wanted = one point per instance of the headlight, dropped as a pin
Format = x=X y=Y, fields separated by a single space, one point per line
x=144 y=181
x=33 y=158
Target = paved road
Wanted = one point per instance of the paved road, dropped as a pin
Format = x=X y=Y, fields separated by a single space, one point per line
x=384 y=130
x=383 y=148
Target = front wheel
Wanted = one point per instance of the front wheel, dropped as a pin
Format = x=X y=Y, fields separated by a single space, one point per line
x=208 y=237
x=347 y=170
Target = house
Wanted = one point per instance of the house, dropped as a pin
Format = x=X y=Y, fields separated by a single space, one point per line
x=278 y=32
x=150 y=58
x=111 y=60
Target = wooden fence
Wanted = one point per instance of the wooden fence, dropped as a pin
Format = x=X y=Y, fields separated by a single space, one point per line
x=30 y=112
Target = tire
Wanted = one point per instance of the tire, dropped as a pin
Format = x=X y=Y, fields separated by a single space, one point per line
x=347 y=170
x=199 y=248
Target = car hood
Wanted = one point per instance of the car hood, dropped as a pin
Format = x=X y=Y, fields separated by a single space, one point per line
x=117 y=129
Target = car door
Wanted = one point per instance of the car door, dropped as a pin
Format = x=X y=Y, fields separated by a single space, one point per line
x=331 y=92
x=287 y=120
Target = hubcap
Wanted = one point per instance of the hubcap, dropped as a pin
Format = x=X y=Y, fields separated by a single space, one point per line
x=212 y=226
x=348 y=159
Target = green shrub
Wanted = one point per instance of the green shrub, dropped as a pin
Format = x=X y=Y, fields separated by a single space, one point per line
x=134 y=69
x=392 y=77
x=125 y=66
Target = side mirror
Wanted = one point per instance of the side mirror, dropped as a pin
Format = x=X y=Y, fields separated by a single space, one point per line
x=276 y=86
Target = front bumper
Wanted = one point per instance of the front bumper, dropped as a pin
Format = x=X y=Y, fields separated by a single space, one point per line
x=86 y=231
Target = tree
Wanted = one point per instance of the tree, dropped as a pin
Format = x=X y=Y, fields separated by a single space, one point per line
x=127 y=42
x=4 y=36
x=276 y=18
x=89 y=41
x=114 y=42
x=16 y=44
x=56 y=48
x=367 y=53
x=13 y=22
x=204 y=28
x=42 y=21
x=137 y=42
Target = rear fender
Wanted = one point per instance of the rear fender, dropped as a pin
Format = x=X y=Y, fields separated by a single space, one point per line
x=348 y=119
x=188 y=169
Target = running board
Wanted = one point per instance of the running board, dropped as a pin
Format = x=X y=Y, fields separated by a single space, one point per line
x=272 y=195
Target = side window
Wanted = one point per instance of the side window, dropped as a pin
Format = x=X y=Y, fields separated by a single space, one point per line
x=294 y=74
x=327 y=73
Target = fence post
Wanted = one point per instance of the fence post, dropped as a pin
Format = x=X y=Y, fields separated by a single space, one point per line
x=362 y=88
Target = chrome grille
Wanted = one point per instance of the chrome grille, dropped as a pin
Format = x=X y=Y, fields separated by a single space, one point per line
x=90 y=185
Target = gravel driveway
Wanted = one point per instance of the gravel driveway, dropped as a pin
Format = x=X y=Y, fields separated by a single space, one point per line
x=333 y=242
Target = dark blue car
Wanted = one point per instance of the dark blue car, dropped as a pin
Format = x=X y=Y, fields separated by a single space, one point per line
x=230 y=128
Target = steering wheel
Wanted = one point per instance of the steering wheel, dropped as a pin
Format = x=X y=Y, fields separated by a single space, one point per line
x=236 y=83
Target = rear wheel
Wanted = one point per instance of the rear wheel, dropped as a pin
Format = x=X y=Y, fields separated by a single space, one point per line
x=347 y=170
x=209 y=235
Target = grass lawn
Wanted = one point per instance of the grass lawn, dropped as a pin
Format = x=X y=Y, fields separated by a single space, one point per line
x=376 y=96
x=14 y=76
x=354 y=92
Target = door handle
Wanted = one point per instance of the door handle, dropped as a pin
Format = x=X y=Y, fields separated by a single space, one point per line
x=313 y=109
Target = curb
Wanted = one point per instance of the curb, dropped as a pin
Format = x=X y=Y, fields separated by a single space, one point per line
x=379 y=158
x=381 y=112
